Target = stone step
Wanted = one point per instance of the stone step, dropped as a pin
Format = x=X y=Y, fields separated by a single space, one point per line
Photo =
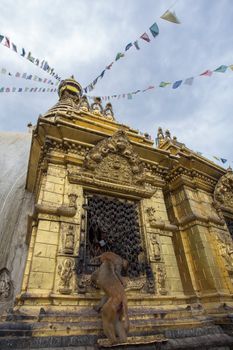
x=93 y=327
x=91 y=315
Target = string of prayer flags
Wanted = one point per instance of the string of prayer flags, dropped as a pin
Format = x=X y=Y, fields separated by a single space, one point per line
x=40 y=63
x=27 y=89
x=28 y=77
x=170 y=17
x=154 y=30
x=188 y=81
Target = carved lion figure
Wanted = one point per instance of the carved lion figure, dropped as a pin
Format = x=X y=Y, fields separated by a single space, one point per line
x=113 y=305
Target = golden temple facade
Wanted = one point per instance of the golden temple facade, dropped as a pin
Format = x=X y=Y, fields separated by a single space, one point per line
x=101 y=186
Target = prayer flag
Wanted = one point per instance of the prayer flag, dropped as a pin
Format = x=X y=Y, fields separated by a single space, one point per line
x=23 y=52
x=189 y=81
x=45 y=80
x=216 y=158
x=231 y=66
x=32 y=89
x=20 y=90
x=14 y=47
x=136 y=45
x=3 y=71
x=154 y=29
x=170 y=17
x=118 y=56
x=102 y=74
x=207 y=73
x=128 y=46
x=13 y=89
x=1 y=39
x=30 y=58
x=109 y=66
x=95 y=81
x=177 y=84
x=17 y=75
x=2 y=89
x=145 y=37
x=163 y=84
x=37 y=62
x=221 y=69
x=29 y=77
x=8 y=90
x=149 y=87
x=129 y=96
x=223 y=160
x=35 y=89
x=24 y=76
x=26 y=89
x=7 y=42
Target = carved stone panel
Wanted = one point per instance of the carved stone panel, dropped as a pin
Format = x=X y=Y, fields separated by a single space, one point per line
x=6 y=287
x=66 y=271
x=223 y=194
x=68 y=241
x=115 y=160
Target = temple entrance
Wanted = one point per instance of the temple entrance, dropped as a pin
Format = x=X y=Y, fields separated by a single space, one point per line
x=112 y=224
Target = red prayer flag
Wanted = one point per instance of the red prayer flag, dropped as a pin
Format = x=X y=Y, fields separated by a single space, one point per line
x=145 y=37
x=207 y=73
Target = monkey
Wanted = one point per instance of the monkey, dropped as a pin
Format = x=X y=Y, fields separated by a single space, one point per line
x=114 y=304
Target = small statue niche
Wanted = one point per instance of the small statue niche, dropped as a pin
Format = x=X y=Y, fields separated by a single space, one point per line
x=108 y=112
x=96 y=106
x=69 y=240
x=65 y=271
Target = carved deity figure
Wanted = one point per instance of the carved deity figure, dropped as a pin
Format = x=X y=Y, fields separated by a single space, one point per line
x=69 y=241
x=151 y=214
x=65 y=272
x=108 y=112
x=96 y=106
x=5 y=285
x=72 y=200
x=162 y=279
x=155 y=247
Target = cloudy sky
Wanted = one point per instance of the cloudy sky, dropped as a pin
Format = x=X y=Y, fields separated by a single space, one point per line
x=81 y=37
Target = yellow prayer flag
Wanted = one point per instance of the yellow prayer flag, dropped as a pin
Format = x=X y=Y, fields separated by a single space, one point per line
x=231 y=66
x=170 y=16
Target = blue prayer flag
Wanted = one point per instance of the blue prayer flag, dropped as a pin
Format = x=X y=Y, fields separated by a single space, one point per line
x=154 y=30
x=177 y=84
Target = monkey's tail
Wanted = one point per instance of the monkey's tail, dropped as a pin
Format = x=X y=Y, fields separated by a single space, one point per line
x=126 y=315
